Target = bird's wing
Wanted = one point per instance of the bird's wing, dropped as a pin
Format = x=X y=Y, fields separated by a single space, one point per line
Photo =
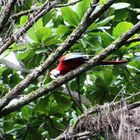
x=72 y=56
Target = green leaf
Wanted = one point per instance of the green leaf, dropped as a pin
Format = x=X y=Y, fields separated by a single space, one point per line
x=34 y=134
x=52 y=40
x=105 y=21
x=106 y=39
x=57 y=20
x=26 y=112
x=137 y=10
x=133 y=68
x=122 y=15
x=82 y=7
x=134 y=45
x=120 y=5
x=14 y=79
x=23 y=20
x=42 y=34
x=8 y=126
x=92 y=26
x=70 y=16
x=49 y=106
x=121 y=28
x=102 y=2
x=62 y=100
x=41 y=50
x=61 y=30
x=27 y=54
x=47 y=17
x=58 y=123
x=74 y=118
x=34 y=28
x=41 y=106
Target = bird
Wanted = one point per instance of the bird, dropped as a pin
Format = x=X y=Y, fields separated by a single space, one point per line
x=71 y=61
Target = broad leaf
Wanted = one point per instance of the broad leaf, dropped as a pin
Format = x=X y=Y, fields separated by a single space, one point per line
x=70 y=16
x=121 y=28
x=42 y=34
x=120 y=5
x=105 y=21
x=82 y=7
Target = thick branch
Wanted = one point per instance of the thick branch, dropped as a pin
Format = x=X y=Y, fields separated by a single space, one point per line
x=76 y=34
x=6 y=13
x=58 y=82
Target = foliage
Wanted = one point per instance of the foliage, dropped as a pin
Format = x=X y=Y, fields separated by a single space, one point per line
x=48 y=116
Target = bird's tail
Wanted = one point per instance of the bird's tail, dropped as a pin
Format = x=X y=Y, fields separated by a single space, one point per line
x=112 y=62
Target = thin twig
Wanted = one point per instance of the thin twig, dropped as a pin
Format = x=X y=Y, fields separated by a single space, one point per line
x=118 y=94
x=78 y=89
x=137 y=81
x=22 y=13
x=53 y=125
x=75 y=102
x=134 y=105
x=83 y=135
x=68 y=4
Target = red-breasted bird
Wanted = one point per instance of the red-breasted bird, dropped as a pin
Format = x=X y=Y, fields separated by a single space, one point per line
x=71 y=61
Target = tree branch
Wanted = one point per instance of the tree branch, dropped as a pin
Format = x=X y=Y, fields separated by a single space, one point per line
x=68 y=4
x=74 y=101
x=72 y=74
x=136 y=39
x=6 y=13
x=75 y=35
x=22 y=13
x=45 y=8
x=84 y=135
